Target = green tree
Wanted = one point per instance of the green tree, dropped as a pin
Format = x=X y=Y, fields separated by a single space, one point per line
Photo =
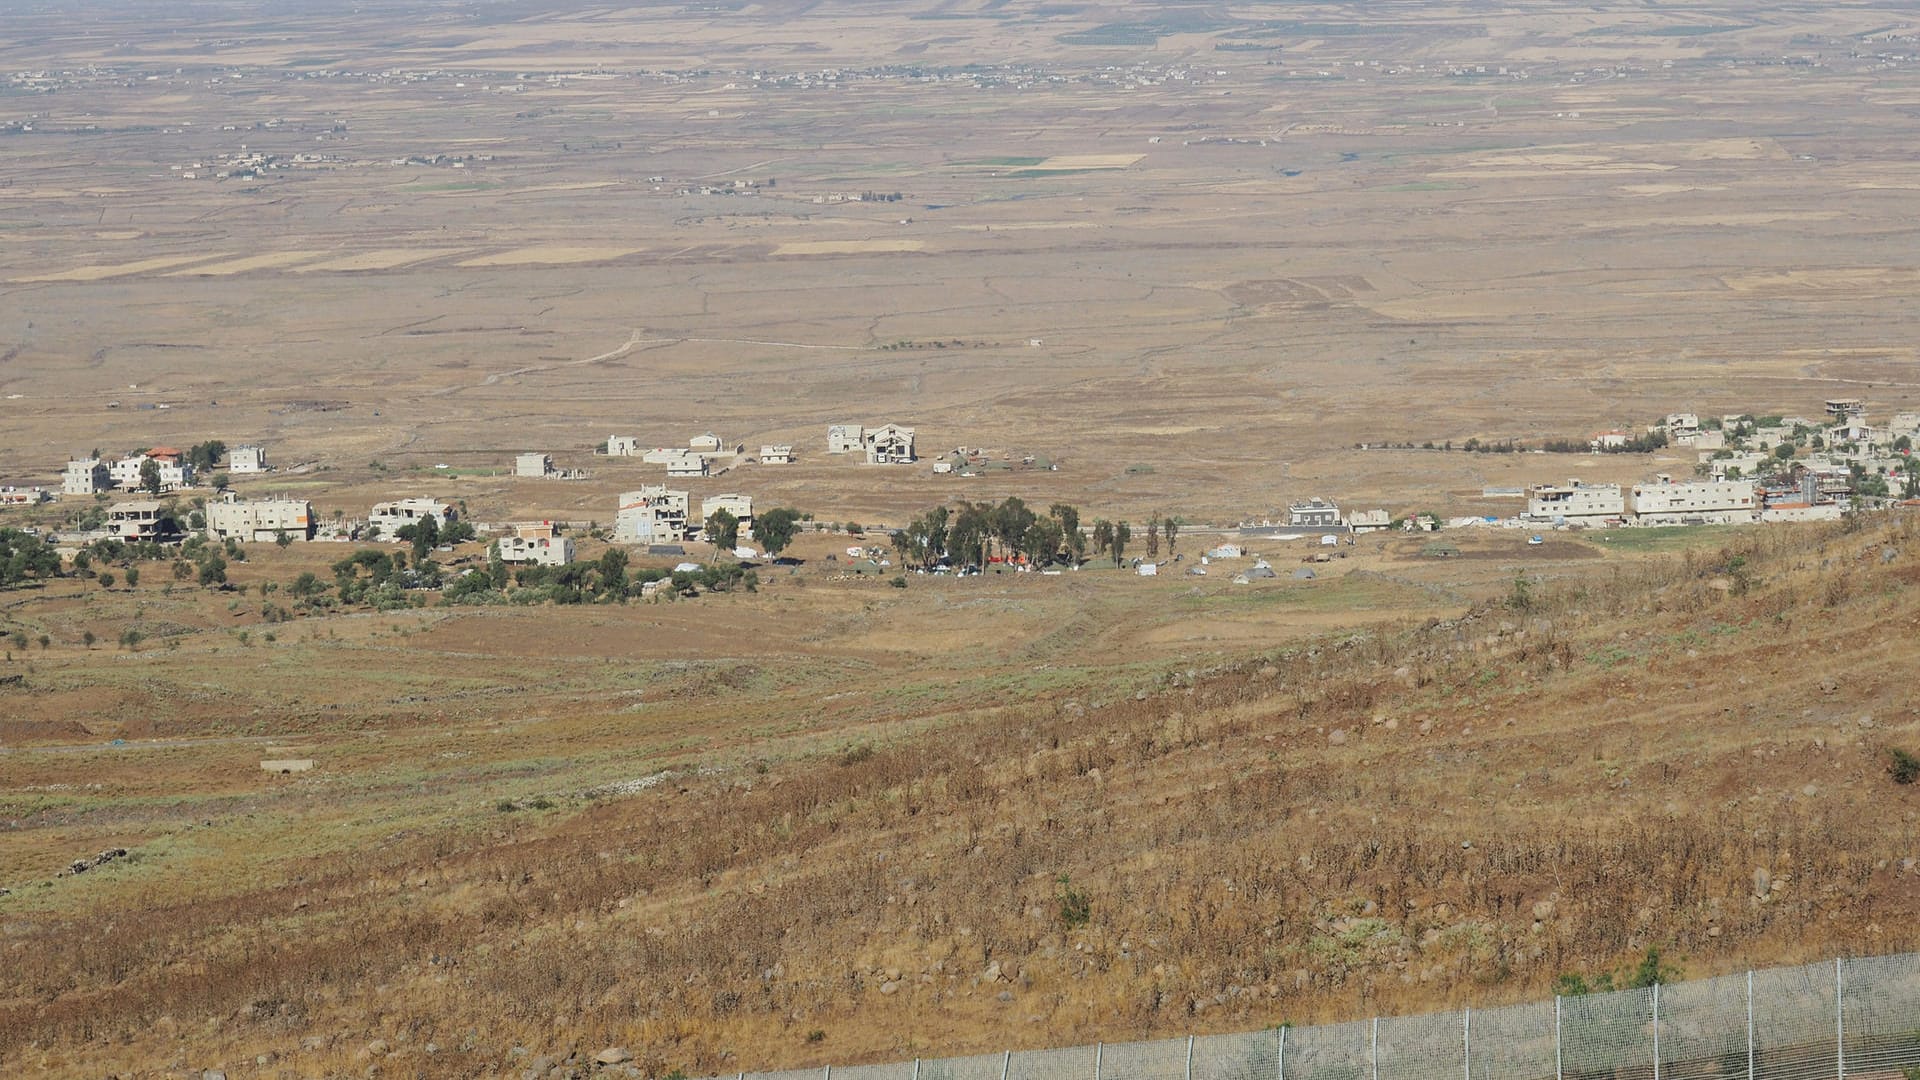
x=1122 y=533
x=106 y=581
x=150 y=476
x=87 y=638
x=1075 y=540
x=1102 y=537
x=1153 y=538
x=282 y=539
x=1783 y=451
x=24 y=556
x=207 y=454
x=612 y=572
x=133 y=576
x=775 y=528
x=213 y=571
x=19 y=640
x=423 y=534
x=1171 y=529
x=306 y=586
x=722 y=530
x=221 y=481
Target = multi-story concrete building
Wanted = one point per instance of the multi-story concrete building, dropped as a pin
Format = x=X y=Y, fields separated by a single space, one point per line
x=1315 y=513
x=140 y=519
x=1694 y=502
x=536 y=544
x=740 y=506
x=1575 y=501
x=85 y=476
x=654 y=514
x=889 y=444
x=260 y=520
x=246 y=459
x=391 y=517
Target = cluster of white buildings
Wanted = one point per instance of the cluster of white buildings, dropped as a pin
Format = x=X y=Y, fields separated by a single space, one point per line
x=1666 y=501
x=888 y=444
x=93 y=475
x=657 y=514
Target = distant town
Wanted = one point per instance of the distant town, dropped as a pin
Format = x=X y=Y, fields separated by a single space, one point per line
x=1750 y=469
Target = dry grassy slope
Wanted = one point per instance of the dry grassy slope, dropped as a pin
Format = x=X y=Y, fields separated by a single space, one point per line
x=1373 y=823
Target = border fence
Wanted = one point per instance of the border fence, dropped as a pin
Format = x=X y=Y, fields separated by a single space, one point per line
x=1855 y=1018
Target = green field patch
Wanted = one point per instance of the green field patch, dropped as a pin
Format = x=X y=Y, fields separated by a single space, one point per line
x=1000 y=162
x=473 y=185
x=1665 y=538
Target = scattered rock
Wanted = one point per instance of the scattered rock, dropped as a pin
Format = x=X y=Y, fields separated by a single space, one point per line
x=1762 y=881
x=1003 y=996
x=213 y=1074
x=1543 y=910
x=1337 y=737
x=81 y=866
x=612 y=1055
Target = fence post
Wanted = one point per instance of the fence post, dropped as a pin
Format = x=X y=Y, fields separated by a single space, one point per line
x=1466 y=1039
x=1556 y=1037
x=1373 y=1049
x=1006 y=1063
x=828 y=1075
x=1280 y=1056
x=1749 y=1025
x=1189 y=1057
x=1099 y=1051
x=916 y=1069
x=1656 y=1031
x=1839 y=1019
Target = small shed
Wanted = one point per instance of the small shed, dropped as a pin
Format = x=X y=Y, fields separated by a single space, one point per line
x=1304 y=573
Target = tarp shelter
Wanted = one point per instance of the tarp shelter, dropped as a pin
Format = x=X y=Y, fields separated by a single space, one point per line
x=1305 y=573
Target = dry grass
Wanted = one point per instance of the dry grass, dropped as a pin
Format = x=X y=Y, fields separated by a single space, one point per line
x=1617 y=750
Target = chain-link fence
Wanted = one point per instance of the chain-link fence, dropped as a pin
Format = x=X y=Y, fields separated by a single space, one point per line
x=1849 y=1018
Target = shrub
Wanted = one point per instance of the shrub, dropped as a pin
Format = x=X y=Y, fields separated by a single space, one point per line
x=1076 y=907
x=1904 y=768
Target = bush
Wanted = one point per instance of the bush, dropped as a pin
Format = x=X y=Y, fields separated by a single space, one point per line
x=1904 y=768
x=1076 y=907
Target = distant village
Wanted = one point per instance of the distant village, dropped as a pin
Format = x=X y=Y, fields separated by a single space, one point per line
x=1749 y=469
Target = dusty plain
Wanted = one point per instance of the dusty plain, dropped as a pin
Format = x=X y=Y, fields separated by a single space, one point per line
x=1193 y=255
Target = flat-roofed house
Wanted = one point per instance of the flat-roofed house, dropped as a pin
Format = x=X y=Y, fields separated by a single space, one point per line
x=246 y=459
x=536 y=544
x=846 y=439
x=655 y=514
x=139 y=519
x=1575 y=501
x=1694 y=502
x=260 y=520
x=686 y=463
x=391 y=517
x=740 y=506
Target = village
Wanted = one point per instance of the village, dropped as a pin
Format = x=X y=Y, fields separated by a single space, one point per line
x=1749 y=469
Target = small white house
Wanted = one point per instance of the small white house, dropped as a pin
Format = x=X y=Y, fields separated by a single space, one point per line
x=780 y=454
x=686 y=463
x=537 y=545
x=623 y=446
x=535 y=465
x=246 y=459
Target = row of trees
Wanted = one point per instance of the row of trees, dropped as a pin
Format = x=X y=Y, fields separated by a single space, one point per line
x=977 y=533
